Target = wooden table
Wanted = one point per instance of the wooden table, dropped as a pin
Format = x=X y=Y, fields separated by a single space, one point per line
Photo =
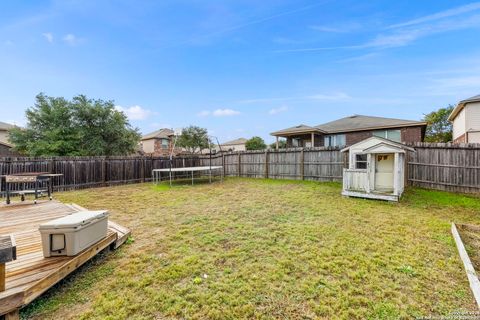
x=29 y=177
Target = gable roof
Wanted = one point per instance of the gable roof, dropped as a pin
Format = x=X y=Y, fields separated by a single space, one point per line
x=381 y=141
x=6 y=144
x=360 y=122
x=352 y=123
x=235 y=142
x=297 y=129
x=159 y=134
x=6 y=126
x=462 y=105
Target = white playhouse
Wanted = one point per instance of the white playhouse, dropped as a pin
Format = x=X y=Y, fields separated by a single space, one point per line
x=376 y=169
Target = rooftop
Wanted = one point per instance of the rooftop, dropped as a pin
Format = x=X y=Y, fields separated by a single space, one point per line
x=6 y=126
x=461 y=105
x=159 y=134
x=351 y=123
x=235 y=142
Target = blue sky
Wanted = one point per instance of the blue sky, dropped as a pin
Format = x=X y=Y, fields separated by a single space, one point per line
x=241 y=68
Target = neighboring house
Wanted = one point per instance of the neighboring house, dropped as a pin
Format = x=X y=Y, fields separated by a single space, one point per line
x=4 y=128
x=159 y=143
x=234 y=145
x=5 y=146
x=350 y=130
x=466 y=121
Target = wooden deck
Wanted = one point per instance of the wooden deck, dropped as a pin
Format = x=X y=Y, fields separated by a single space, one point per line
x=31 y=274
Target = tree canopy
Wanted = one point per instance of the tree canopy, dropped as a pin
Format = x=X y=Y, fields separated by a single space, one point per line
x=255 y=143
x=439 y=129
x=80 y=127
x=194 y=139
x=282 y=144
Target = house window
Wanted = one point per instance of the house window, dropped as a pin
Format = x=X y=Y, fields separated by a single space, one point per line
x=165 y=143
x=335 y=140
x=360 y=161
x=394 y=135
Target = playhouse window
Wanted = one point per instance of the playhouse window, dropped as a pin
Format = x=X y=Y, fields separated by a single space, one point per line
x=361 y=161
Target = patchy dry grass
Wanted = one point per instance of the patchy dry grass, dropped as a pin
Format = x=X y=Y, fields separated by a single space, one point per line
x=268 y=249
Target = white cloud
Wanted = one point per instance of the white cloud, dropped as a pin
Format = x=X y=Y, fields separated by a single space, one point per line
x=135 y=112
x=71 y=39
x=225 y=113
x=406 y=33
x=203 y=113
x=48 y=36
x=218 y=113
x=275 y=111
x=343 y=28
x=440 y=15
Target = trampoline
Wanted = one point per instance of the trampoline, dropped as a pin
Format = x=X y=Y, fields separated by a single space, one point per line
x=188 y=172
x=157 y=173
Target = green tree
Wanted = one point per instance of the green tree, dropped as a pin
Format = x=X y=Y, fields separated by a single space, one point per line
x=255 y=143
x=282 y=144
x=439 y=129
x=81 y=127
x=194 y=139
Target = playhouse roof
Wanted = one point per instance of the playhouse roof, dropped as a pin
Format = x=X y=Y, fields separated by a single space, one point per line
x=372 y=145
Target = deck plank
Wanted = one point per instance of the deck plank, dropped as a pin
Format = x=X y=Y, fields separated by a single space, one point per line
x=31 y=274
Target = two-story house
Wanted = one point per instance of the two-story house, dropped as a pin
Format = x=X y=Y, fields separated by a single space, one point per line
x=350 y=130
x=5 y=146
x=159 y=143
x=466 y=121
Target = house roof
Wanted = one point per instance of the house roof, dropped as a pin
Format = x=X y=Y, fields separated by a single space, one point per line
x=6 y=144
x=381 y=141
x=297 y=129
x=159 y=134
x=462 y=105
x=360 y=122
x=235 y=142
x=351 y=123
x=6 y=126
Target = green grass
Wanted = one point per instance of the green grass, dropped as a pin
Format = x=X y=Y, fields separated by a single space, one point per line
x=268 y=249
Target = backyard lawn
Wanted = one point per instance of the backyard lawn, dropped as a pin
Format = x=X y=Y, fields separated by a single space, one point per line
x=268 y=249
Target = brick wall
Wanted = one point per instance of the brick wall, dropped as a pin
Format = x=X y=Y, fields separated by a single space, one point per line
x=354 y=137
x=412 y=134
x=461 y=139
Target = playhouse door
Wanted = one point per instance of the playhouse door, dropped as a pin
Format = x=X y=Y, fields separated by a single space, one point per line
x=384 y=165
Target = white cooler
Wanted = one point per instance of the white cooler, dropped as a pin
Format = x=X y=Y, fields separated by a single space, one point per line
x=69 y=235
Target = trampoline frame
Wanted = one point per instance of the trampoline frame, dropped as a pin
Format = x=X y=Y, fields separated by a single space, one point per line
x=157 y=173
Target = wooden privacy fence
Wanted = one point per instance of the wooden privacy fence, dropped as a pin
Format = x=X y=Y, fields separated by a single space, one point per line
x=445 y=166
x=87 y=172
x=321 y=164
x=450 y=167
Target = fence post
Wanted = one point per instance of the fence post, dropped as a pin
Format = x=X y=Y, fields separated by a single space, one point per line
x=223 y=164
x=142 y=169
x=302 y=165
x=239 y=165
x=104 y=171
x=266 y=163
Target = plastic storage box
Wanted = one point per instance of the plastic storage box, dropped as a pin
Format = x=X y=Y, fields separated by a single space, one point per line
x=69 y=235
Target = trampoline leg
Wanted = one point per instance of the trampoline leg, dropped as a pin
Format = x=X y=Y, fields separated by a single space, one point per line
x=192 y=177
